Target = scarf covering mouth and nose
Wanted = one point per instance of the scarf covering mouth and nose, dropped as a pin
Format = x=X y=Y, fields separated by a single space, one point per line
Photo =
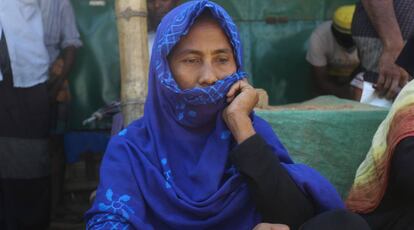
x=170 y=168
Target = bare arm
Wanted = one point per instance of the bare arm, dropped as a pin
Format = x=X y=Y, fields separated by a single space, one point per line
x=68 y=60
x=63 y=64
x=382 y=16
x=60 y=69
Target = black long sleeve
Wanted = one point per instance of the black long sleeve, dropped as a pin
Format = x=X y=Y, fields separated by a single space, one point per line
x=402 y=171
x=396 y=210
x=277 y=197
x=406 y=57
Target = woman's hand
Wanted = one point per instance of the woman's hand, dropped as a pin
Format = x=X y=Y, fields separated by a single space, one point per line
x=266 y=226
x=242 y=98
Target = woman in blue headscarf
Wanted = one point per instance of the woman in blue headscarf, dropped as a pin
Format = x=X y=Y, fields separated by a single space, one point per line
x=199 y=158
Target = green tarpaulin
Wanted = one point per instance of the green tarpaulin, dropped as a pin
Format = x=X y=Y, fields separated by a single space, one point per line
x=330 y=134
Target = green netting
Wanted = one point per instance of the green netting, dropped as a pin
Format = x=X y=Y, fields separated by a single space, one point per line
x=94 y=80
x=332 y=135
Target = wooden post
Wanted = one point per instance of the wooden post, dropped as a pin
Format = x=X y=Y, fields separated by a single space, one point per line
x=133 y=52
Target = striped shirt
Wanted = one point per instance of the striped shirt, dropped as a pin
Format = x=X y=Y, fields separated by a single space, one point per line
x=59 y=26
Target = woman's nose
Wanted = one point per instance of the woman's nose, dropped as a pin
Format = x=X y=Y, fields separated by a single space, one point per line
x=208 y=76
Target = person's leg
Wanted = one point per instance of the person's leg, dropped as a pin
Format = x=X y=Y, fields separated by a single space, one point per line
x=58 y=119
x=3 y=211
x=7 y=220
x=25 y=161
x=25 y=203
x=336 y=219
x=58 y=166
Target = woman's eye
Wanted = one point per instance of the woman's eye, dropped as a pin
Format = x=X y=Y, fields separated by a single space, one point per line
x=191 y=60
x=222 y=60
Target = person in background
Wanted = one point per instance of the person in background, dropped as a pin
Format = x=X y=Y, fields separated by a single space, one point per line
x=332 y=54
x=157 y=9
x=61 y=38
x=24 y=118
x=380 y=29
x=382 y=192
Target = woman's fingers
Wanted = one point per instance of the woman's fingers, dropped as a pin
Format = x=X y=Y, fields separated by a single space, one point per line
x=230 y=99
x=245 y=95
x=238 y=86
x=233 y=89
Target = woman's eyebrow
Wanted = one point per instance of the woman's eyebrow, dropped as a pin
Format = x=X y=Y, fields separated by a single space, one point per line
x=224 y=50
x=198 y=52
x=189 y=51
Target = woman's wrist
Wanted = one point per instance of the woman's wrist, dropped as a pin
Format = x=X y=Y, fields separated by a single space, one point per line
x=240 y=126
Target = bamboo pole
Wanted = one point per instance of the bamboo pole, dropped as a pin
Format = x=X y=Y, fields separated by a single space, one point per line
x=133 y=51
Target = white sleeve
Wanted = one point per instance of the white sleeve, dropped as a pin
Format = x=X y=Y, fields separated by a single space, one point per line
x=69 y=32
x=316 y=54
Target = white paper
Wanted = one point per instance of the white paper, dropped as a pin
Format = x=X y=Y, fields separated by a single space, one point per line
x=370 y=96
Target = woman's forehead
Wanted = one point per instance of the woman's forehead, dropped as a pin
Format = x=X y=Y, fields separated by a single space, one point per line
x=205 y=26
x=206 y=32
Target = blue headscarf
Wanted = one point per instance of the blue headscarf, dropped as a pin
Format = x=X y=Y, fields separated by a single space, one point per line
x=170 y=169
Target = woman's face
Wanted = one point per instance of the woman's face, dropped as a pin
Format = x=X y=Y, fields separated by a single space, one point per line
x=203 y=56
